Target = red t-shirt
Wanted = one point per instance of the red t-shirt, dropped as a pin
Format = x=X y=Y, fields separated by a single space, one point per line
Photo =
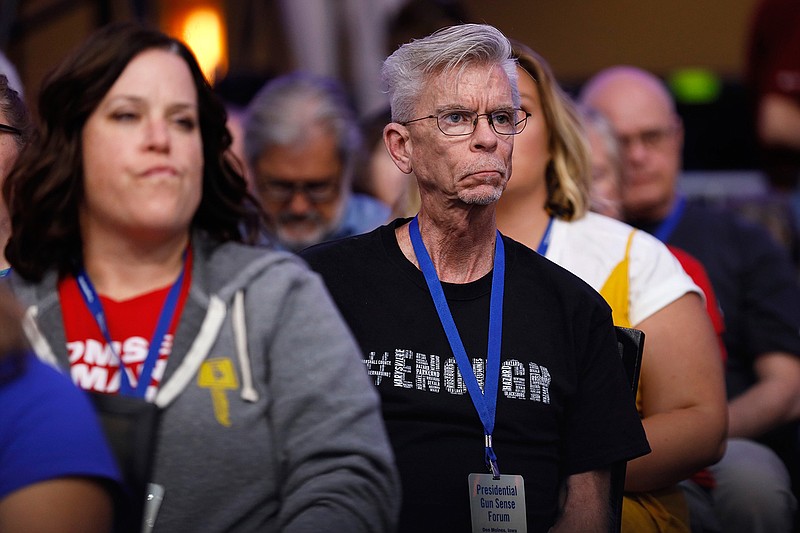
x=131 y=324
x=697 y=272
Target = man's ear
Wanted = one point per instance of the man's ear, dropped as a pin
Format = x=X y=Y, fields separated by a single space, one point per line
x=398 y=143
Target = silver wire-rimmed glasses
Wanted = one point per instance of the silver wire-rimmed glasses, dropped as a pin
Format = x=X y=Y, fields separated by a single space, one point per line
x=458 y=122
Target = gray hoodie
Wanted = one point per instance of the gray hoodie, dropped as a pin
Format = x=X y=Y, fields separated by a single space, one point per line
x=292 y=439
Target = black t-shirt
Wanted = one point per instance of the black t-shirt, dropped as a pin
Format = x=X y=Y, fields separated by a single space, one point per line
x=755 y=283
x=563 y=404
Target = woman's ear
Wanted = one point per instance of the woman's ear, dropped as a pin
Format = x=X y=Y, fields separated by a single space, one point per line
x=398 y=143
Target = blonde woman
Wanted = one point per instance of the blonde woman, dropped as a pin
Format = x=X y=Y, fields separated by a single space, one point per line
x=681 y=393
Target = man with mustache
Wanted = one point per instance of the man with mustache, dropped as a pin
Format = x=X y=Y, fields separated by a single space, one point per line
x=499 y=375
x=302 y=143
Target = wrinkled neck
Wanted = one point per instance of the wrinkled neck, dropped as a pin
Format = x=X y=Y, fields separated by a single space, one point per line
x=461 y=248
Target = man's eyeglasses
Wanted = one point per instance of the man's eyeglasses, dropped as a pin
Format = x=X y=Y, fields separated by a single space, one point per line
x=650 y=139
x=457 y=122
x=5 y=128
x=316 y=192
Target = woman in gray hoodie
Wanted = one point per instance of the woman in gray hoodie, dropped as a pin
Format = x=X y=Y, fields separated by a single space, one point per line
x=129 y=223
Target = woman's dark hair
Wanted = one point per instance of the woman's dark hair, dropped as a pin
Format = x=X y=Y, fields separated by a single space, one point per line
x=44 y=191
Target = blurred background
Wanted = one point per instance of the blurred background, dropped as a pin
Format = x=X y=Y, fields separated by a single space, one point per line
x=699 y=48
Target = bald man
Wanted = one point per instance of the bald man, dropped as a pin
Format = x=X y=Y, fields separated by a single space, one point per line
x=758 y=293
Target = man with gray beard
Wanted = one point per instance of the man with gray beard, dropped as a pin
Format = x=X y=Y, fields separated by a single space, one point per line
x=302 y=143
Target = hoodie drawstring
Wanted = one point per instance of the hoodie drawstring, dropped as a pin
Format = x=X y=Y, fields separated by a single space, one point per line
x=249 y=393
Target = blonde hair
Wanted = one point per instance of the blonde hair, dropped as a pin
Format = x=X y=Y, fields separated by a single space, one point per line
x=568 y=173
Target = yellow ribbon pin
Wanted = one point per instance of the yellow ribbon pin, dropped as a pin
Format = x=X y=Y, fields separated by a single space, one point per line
x=219 y=376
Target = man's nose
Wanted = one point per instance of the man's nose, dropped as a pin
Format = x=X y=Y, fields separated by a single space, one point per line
x=634 y=148
x=484 y=135
x=299 y=202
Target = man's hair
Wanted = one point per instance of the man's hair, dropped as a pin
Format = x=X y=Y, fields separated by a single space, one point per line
x=284 y=111
x=597 y=122
x=655 y=84
x=406 y=72
x=14 y=111
x=44 y=191
x=568 y=173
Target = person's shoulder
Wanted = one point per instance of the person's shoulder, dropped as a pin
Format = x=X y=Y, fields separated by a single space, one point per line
x=363 y=213
x=223 y=268
x=368 y=205
x=234 y=256
x=689 y=262
x=31 y=369
x=719 y=222
x=710 y=225
x=345 y=249
x=696 y=212
x=42 y=403
x=598 y=229
x=521 y=258
x=604 y=223
x=531 y=267
x=602 y=237
x=337 y=247
x=40 y=387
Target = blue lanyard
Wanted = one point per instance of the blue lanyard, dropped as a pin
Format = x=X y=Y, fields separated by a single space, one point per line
x=5 y=272
x=668 y=225
x=92 y=301
x=544 y=244
x=485 y=402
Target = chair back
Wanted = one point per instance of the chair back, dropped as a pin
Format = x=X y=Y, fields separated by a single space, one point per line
x=630 y=342
x=631 y=346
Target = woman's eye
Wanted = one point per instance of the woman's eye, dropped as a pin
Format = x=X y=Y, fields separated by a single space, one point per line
x=186 y=123
x=123 y=116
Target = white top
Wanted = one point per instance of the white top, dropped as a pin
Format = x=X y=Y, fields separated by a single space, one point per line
x=592 y=246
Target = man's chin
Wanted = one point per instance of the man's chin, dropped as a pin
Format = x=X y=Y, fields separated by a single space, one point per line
x=481 y=195
x=646 y=208
x=297 y=239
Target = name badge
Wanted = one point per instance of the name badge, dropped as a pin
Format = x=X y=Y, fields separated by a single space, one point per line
x=152 y=504
x=497 y=505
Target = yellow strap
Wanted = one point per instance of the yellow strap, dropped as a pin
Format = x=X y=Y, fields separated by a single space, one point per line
x=616 y=289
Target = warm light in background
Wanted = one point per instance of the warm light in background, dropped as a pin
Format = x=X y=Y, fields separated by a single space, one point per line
x=201 y=25
x=204 y=33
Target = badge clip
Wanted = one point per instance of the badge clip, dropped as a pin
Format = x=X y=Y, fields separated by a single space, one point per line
x=491 y=458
